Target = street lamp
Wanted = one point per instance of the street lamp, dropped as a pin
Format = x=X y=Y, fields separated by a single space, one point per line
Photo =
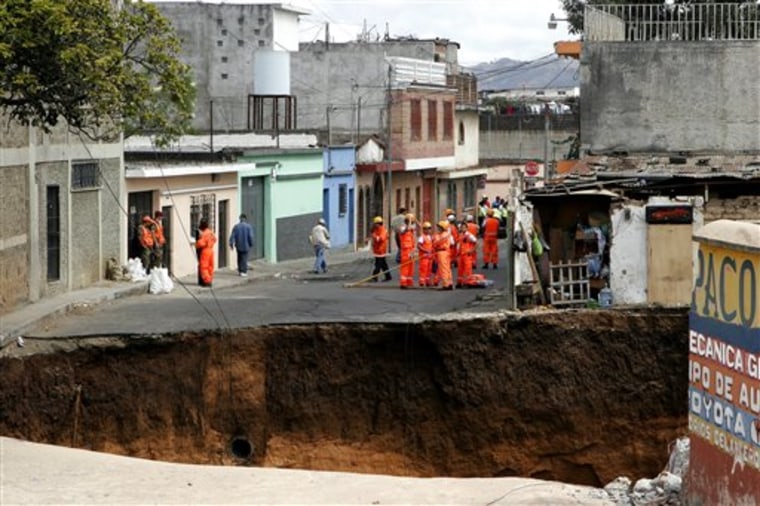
x=552 y=24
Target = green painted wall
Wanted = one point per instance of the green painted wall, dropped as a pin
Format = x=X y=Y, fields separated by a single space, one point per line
x=296 y=190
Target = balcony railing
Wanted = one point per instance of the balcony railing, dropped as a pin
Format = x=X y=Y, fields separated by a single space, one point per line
x=467 y=88
x=688 y=22
x=529 y=122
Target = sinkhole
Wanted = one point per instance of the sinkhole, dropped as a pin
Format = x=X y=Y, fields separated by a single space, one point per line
x=576 y=396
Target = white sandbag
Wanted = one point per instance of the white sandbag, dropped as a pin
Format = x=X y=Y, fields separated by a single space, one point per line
x=160 y=282
x=136 y=270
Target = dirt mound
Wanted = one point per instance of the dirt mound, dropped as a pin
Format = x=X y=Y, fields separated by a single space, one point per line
x=580 y=396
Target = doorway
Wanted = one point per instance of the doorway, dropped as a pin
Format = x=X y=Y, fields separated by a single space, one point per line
x=138 y=203
x=166 y=222
x=222 y=233
x=252 y=204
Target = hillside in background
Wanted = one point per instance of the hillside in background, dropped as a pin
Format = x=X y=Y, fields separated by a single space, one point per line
x=507 y=74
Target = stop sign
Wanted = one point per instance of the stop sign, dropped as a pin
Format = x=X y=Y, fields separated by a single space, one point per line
x=531 y=169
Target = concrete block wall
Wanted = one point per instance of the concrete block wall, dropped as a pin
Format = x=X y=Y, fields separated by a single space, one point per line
x=218 y=42
x=670 y=96
x=13 y=235
x=522 y=145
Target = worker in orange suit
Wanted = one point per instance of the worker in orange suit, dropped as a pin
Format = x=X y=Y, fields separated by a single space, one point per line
x=474 y=229
x=467 y=243
x=442 y=246
x=426 y=254
x=204 y=246
x=490 y=240
x=379 y=240
x=158 y=231
x=407 y=236
x=454 y=232
x=147 y=238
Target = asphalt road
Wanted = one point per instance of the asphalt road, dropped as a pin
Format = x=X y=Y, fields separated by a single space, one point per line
x=297 y=297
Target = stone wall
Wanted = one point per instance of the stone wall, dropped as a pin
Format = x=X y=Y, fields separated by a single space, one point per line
x=740 y=208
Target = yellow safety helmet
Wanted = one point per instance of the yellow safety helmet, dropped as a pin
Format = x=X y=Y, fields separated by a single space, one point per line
x=443 y=224
x=427 y=225
x=377 y=219
x=410 y=217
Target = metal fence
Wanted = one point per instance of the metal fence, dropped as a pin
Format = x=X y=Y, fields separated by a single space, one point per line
x=529 y=122
x=689 y=22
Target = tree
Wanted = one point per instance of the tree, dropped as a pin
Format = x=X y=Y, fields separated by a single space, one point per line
x=98 y=68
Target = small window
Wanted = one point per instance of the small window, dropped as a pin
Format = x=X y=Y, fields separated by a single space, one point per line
x=241 y=20
x=342 y=199
x=85 y=175
x=415 y=120
x=241 y=42
x=432 y=120
x=461 y=133
x=219 y=21
x=540 y=92
x=561 y=92
x=219 y=43
x=256 y=31
x=224 y=31
x=262 y=43
x=448 y=120
x=224 y=76
x=262 y=21
x=224 y=59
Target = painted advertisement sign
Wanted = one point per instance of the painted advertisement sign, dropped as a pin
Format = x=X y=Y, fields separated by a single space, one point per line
x=724 y=369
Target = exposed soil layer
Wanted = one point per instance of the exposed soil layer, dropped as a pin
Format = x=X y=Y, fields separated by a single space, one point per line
x=579 y=396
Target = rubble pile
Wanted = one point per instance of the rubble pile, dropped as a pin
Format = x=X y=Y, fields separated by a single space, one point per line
x=664 y=490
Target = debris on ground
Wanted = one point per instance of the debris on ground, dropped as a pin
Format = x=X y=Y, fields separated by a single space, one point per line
x=664 y=490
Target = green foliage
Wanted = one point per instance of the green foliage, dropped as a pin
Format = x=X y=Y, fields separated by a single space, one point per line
x=101 y=70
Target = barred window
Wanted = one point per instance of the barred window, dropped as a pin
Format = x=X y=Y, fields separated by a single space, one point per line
x=85 y=175
x=202 y=206
x=342 y=199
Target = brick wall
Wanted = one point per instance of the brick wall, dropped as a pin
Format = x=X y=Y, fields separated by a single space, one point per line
x=403 y=146
x=741 y=208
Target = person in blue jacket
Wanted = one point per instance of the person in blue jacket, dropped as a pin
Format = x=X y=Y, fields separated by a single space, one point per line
x=241 y=239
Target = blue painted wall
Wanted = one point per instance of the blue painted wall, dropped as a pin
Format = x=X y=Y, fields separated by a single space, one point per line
x=339 y=170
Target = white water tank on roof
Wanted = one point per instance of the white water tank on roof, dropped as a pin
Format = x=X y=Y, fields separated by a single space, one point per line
x=271 y=72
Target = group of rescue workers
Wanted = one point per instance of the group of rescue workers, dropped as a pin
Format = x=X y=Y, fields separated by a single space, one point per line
x=452 y=244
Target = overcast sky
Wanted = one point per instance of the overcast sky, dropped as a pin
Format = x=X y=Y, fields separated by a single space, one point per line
x=486 y=29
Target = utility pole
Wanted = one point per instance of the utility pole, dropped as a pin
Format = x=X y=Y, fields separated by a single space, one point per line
x=547 y=127
x=388 y=157
x=329 y=129
x=211 y=125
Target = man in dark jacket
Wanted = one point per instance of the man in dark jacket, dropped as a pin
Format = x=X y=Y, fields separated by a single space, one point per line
x=241 y=239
